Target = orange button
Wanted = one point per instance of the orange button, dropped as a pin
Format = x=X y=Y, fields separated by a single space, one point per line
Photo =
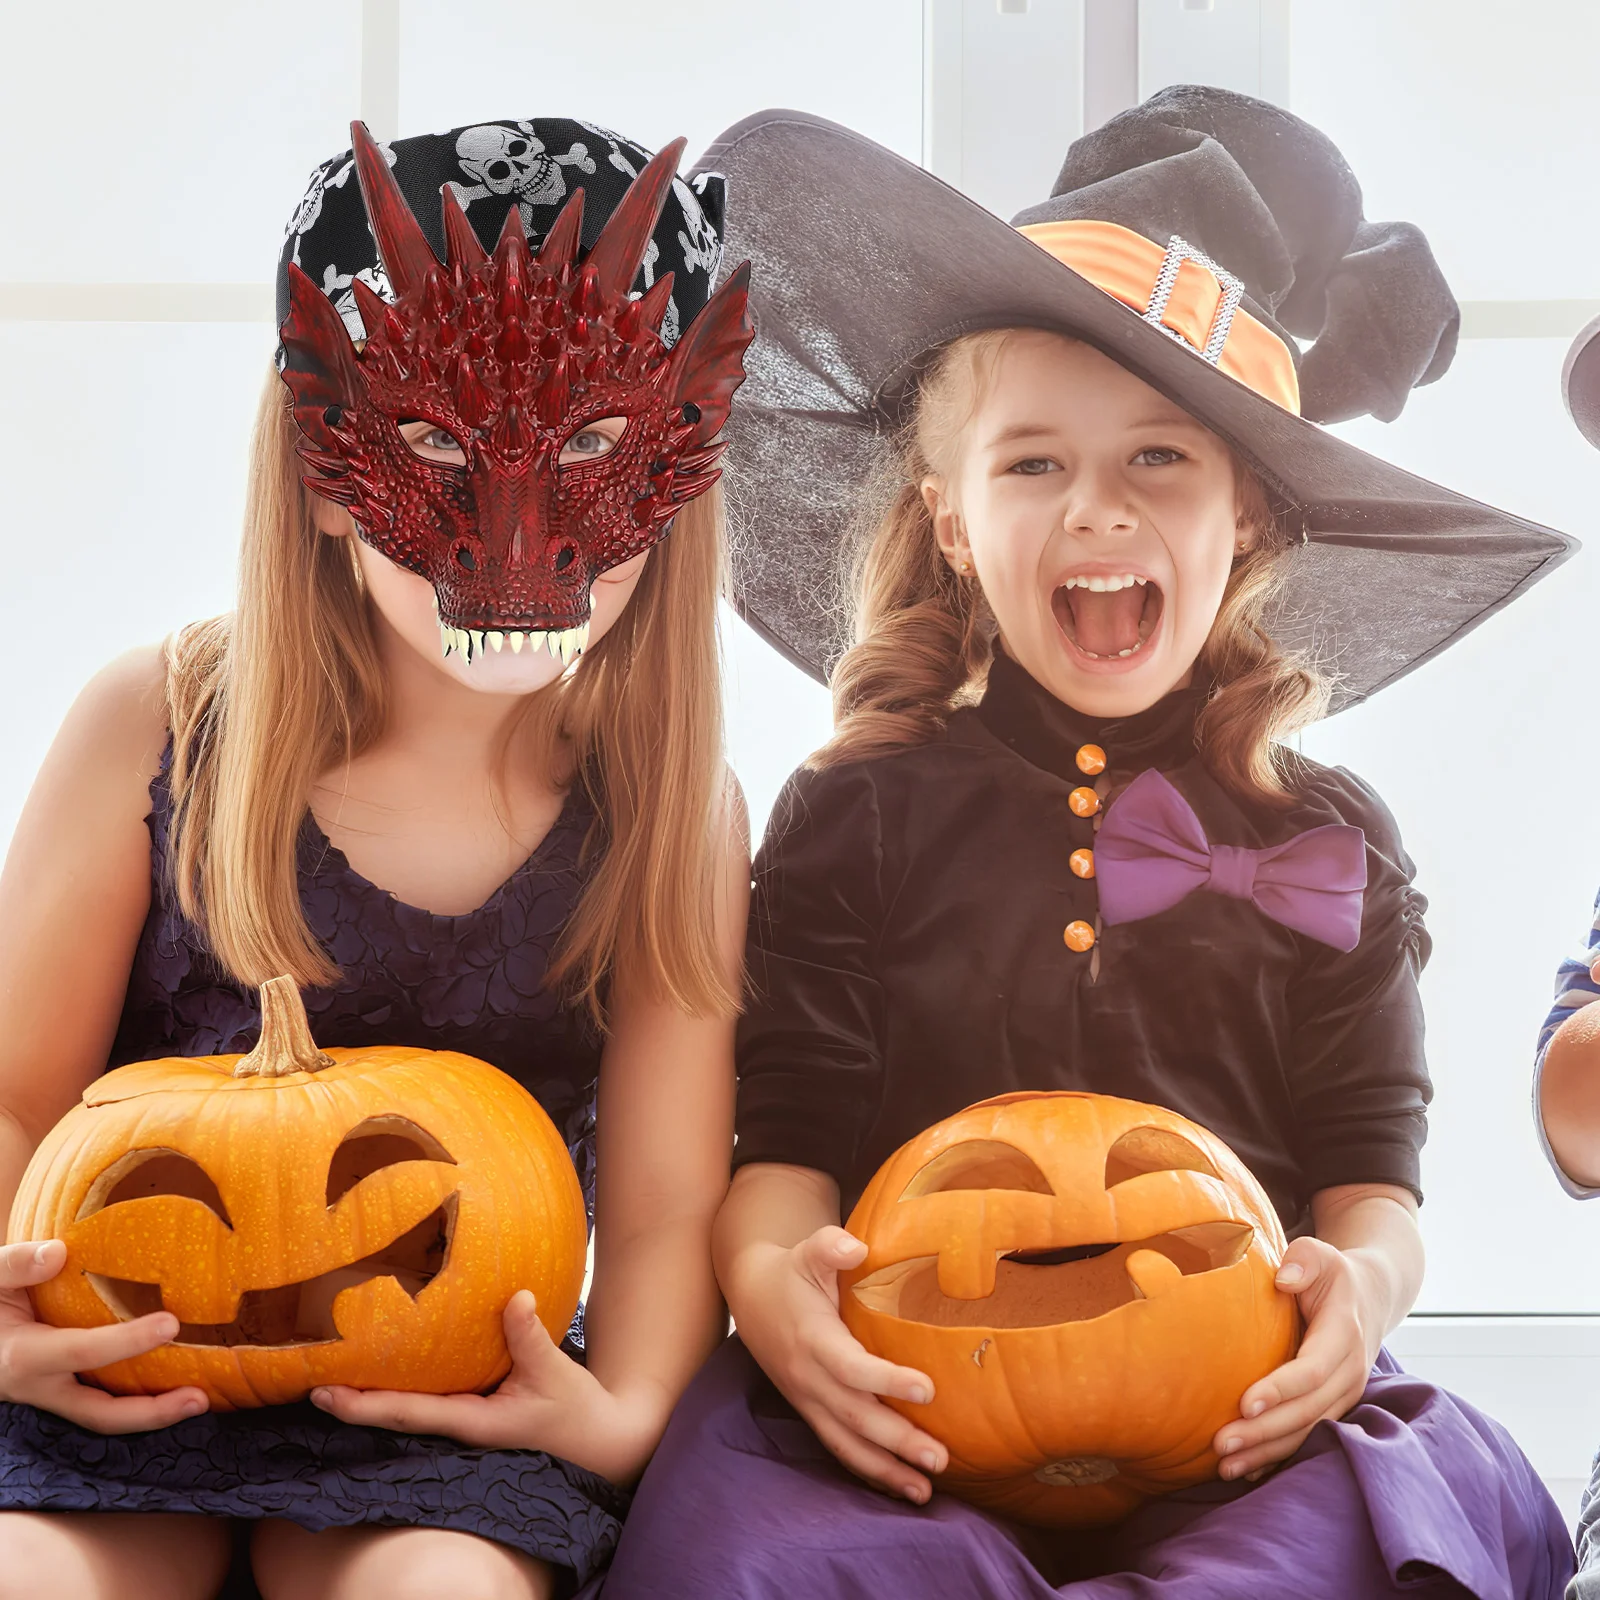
x=1082 y=863
x=1079 y=936
x=1091 y=759
x=1084 y=802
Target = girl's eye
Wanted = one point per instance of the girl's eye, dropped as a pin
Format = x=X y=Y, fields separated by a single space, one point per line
x=1158 y=456
x=1032 y=466
x=431 y=441
x=591 y=443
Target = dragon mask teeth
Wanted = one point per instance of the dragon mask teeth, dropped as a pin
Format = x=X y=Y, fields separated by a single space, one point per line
x=513 y=353
x=563 y=644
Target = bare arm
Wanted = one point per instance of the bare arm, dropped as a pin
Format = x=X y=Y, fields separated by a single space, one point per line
x=665 y=1138
x=779 y=1250
x=73 y=897
x=1569 y=1096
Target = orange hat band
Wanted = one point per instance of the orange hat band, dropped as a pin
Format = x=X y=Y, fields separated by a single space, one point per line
x=1180 y=291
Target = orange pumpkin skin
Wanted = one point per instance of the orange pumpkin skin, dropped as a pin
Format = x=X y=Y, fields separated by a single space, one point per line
x=466 y=1157
x=1068 y=1394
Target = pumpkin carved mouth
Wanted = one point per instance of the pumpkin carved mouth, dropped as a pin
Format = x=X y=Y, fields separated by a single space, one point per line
x=295 y=1313
x=1041 y=1288
x=300 y=1313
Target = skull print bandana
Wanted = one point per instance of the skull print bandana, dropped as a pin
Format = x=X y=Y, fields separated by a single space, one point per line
x=513 y=353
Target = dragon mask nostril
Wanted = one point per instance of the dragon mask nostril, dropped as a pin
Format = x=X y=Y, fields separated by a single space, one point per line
x=565 y=557
x=465 y=558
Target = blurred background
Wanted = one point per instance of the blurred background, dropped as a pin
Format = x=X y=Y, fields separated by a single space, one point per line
x=157 y=151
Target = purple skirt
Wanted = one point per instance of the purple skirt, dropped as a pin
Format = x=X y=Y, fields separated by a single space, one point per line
x=1413 y=1492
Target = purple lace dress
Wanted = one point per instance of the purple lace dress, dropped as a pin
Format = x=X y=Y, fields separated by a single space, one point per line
x=473 y=983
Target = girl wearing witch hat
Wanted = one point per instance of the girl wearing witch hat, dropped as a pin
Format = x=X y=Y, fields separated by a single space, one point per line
x=454 y=763
x=1566 y=1074
x=1112 y=565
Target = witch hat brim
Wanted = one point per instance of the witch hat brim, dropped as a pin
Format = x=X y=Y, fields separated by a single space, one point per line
x=1580 y=382
x=863 y=264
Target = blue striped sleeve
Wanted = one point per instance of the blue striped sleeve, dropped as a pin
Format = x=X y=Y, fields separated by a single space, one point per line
x=1574 y=990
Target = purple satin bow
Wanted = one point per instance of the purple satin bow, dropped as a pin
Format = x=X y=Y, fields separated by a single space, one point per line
x=1151 y=852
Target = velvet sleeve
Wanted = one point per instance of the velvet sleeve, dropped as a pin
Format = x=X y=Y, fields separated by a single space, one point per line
x=1358 y=1075
x=809 y=1051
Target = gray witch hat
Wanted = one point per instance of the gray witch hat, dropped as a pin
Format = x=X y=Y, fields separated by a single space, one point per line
x=1580 y=382
x=863 y=265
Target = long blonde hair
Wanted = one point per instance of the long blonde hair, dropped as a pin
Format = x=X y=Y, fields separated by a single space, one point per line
x=923 y=635
x=266 y=699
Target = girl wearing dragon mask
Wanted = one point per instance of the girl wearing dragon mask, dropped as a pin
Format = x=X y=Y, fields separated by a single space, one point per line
x=467 y=666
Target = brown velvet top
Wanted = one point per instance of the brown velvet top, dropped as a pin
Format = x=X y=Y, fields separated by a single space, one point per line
x=907 y=959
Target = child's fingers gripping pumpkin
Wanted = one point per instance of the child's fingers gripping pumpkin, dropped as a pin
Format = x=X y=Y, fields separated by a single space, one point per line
x=546 y=1402
x=830 y=1379
x=1327 y=1376
x=39 y=1364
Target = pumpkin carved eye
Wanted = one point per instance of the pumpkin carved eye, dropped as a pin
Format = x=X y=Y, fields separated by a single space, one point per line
x=1142 y=1150
x=155 y=1171
x=377 y=1143
x=979 y=1164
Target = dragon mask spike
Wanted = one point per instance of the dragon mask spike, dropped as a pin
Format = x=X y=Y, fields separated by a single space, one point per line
x=463 y=252
x=405 y=251
x=560 y=248
x=619 y=251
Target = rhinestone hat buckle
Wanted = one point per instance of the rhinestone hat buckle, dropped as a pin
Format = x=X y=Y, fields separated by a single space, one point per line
x=1178 y=251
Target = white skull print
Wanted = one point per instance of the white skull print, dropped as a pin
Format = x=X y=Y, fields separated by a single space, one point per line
x=332 y=174
x=336 y=285
x=503 y=159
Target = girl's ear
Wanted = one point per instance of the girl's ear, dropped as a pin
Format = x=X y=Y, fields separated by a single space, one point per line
x=948 y=533
x=331 y=519
x=1245 y=534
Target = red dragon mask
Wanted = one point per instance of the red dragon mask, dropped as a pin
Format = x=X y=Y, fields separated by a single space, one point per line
x=513 y=354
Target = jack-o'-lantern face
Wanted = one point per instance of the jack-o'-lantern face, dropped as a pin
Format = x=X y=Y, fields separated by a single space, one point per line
x=363 y=1222
x=1088 y=1282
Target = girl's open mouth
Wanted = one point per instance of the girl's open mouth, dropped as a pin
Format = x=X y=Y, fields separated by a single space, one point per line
x=1108 y=617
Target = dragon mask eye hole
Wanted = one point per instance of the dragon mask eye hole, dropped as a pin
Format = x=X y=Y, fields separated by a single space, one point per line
x=1142 y=1150
x=377 y=1143
x=979 y=1164
x=428 y=441
x=139 y=1173
x=594 y=441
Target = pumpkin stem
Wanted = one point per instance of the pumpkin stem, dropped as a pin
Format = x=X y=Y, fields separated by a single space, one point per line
x=286 y=1044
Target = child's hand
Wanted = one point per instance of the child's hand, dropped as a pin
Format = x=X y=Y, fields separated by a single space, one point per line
x=1594 y=969
x=1326 y=1378
x=39 y=1364
x=788 y=1318
x=546 y=1402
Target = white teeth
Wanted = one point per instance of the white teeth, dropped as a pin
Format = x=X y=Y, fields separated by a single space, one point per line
x=462 y=645
x=515 y=641
x=1106 y=585
x=476 y=635
x=447 y=638
x=495 y=641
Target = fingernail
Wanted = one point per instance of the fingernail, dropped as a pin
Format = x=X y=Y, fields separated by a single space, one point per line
x=916 y=1494
x=1291 y=1273
x=1255 y=1408
x=193 y=1408
x=1231 y=1443
x=918 y=1395
x=40 y=1253
x=321 y=1397
x=1256 y=1476
x=1230 y=1469
x=930 y=1460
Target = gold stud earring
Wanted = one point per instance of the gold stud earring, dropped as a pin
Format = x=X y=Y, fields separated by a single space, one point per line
x=966 y=566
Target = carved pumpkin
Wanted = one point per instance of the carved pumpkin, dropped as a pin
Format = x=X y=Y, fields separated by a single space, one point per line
x=1089 y=1284
x=358 y=1217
